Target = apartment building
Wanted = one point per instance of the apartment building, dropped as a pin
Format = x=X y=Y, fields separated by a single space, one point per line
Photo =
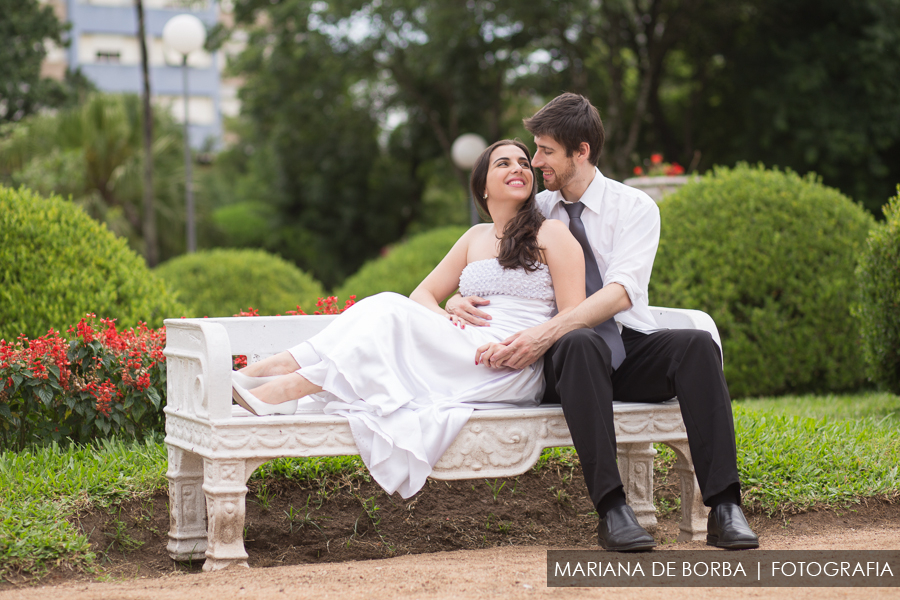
x=104 y=45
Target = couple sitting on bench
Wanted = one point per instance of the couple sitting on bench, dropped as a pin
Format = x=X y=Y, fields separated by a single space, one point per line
x=554 y=293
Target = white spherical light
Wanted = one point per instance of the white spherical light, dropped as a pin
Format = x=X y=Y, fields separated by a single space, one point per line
x=184 y=34
x=466 y=150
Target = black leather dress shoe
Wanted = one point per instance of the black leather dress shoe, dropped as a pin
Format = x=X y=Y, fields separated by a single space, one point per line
x=727 y=528
x=619 y=531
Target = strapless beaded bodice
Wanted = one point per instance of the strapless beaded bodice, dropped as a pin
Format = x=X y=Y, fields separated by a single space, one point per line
x=488 y=278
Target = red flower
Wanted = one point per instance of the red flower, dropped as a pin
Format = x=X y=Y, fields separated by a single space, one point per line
x=638 y=171
x=656 y=158
x=675 y=169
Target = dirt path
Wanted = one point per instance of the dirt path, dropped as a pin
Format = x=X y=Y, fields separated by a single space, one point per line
x=502 y=572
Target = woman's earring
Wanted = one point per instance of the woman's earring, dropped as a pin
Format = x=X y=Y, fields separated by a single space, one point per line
x=485 y=195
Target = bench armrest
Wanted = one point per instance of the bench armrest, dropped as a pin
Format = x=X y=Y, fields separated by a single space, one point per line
x=685 y=318
x=199 y=356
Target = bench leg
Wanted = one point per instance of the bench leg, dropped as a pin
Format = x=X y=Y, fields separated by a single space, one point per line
x=636 y=470
x=225 y=486
x=693 y=511
x=187 y=506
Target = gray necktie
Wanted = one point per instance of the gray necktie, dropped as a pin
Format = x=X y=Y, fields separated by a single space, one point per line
x=593 y=281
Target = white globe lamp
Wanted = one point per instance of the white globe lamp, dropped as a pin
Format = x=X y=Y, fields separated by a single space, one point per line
x=184 y=34
x=466 y=150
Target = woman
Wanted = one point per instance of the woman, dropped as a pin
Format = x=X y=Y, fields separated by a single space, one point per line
x=404 y=371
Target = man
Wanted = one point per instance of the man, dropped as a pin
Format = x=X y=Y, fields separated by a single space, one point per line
x=591 y=358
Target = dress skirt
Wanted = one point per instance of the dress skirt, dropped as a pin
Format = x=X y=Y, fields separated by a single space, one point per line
x=406 y=380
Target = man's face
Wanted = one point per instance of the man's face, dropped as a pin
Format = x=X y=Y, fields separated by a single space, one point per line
x=550 y=157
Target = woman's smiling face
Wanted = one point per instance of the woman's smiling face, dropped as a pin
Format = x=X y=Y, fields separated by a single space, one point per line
x=509 y=175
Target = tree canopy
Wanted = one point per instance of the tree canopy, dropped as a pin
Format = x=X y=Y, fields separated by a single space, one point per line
x=350 y=107
x=25 y=26
x=357 y=102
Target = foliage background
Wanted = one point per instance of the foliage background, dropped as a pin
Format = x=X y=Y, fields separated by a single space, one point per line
x=799 y=84
x=222 y=282
x=404 y=266
x=57 y=264
x=25 y=27
x=878 y=309
x=771 y=257
x=350 y=108
x=92 y=154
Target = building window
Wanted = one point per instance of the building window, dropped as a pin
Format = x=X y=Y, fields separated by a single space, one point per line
x=110 y=57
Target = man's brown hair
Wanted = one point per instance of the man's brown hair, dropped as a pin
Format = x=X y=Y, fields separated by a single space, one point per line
x=569 y=119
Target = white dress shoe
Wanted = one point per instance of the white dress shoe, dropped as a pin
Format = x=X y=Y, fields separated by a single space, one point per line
x=248 y=383
x=257 y=406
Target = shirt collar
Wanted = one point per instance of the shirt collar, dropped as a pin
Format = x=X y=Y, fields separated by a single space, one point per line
x=593 y=195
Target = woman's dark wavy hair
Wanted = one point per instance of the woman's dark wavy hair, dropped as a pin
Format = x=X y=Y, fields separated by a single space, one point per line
x=518 y=246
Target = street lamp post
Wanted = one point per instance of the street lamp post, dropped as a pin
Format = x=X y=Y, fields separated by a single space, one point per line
x=464 y=152
x=185 y=34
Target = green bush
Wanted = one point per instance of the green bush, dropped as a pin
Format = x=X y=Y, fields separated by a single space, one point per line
x=878 y=308
x=222 y=282
x=770 y=256
x=405 y=265
x=57 y=264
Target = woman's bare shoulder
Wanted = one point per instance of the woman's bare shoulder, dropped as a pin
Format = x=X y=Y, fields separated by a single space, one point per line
x=553 y=231
x=475 y=230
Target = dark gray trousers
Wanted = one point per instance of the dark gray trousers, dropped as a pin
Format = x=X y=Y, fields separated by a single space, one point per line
x=658 y=366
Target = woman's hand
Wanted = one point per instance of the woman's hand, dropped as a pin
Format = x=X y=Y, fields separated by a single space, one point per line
x=456 y=321
x=518 y=350
x=485 y=354
x=464 y=309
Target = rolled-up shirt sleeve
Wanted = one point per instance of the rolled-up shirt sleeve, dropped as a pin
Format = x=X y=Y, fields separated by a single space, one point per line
x=636 y=241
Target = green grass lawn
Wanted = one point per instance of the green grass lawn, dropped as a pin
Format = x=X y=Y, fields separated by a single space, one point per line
x=794 y=453
x=833 y=407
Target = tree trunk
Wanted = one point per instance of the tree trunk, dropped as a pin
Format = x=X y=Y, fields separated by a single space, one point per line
x=151 y=246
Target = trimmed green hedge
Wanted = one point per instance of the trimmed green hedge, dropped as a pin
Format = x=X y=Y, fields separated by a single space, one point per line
x=222 y=282
x=404 y=267
x=879 y=303
x=57 y=264
x=770 y=256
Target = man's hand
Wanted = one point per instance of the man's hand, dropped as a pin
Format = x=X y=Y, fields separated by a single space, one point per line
x=515 y=352
x=465 y=309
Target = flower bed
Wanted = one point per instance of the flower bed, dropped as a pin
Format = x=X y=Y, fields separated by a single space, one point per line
x=99 y=382
x=95 y=383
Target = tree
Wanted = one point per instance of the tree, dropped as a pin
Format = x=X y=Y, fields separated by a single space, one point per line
x=705 y=81
x=24 y=27
x=619 y=54
x=811 y=85
x=339 y=197
x=448 y=66
x=151 y=246
x=93 y=154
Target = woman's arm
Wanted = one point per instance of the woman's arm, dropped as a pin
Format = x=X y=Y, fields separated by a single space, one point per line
x=565 y=258
x=444 y=279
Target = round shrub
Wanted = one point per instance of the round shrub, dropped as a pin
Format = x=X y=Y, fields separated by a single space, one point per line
x=57 y=264
x=405 y=265
x=770 y=256
x=878 y=308
x=222 y=282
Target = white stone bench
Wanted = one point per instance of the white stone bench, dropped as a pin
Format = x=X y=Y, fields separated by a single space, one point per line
x=215 y=446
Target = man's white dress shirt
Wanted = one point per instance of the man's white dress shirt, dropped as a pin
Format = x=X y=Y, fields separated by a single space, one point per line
x=622 y=226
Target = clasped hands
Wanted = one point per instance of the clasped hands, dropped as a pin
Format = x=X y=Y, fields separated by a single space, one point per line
x=515 y=352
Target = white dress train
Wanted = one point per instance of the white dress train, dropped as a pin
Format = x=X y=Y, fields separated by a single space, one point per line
x=405 y=377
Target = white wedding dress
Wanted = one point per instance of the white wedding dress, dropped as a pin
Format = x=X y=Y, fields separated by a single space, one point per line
x=405 y=377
